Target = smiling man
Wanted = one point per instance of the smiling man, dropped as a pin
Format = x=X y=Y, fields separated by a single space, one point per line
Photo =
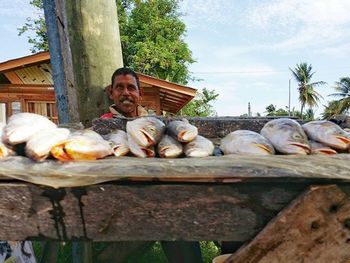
x=126 y=93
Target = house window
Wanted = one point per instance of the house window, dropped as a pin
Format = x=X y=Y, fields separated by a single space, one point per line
x=45 y=108
x=16 y=107
x=3 y=112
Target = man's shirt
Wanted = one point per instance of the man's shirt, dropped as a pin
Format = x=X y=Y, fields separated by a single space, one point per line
x=113 y=113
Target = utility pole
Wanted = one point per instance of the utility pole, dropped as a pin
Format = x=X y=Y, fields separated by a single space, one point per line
x=289 y=99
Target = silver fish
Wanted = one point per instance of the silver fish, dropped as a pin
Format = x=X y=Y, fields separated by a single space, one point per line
x=320 y=148
x=140 y=151
x=145 y=131
x=199 y=147
x=287 y=136
x=182 y=130
x=22 y=126
x=168 y=147
x=78 y=146
x=327 y=133
x=5 y=150
x=246 y=142
x=39 y=145
x=119 y=142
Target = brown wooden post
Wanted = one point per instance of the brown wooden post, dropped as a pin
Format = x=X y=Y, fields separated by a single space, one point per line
x=84 y=44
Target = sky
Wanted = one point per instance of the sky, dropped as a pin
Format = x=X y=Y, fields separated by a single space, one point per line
x=243 y=48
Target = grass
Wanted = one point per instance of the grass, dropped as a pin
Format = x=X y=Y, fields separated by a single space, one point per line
x=155 y=254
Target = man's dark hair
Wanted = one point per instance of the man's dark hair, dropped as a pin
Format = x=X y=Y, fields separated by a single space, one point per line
x=125 y=71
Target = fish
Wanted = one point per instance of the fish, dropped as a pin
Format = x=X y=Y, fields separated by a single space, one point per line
x=168 y=147
x=22 y=126
x=287 y=136
x=39 y=145
x=145 y=131
x=182 y=130
x=78 y=146
x=140 y=151
x=5 y=150
x=199 y=147
x=119 y=142
x=320 y=148
x=328 y=133
x=246 y=142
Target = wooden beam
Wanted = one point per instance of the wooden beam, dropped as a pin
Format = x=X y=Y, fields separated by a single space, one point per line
x=314 y=228
x=5 y=89
x=24 y=61
x=112 y=212
x=61 y=61
x=167 y=85
x=13 y=78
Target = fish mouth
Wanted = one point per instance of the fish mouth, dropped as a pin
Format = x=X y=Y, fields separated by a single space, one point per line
x=326 y=151
x=343 y=140
x=2 y=152
x=120 y=150
x=148 y=139
x=168 y=152
x=186 y=136
x=304 y=147
x=264 y=148
x=148 y=152
x=59 y=152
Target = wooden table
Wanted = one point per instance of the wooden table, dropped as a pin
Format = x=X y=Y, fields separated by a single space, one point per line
x=215 y=198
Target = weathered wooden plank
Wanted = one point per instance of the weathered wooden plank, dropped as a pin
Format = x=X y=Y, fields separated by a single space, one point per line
x=314 y=228
x=111 y=212
x=210 y=127
x=223 y=169
x=61 y=61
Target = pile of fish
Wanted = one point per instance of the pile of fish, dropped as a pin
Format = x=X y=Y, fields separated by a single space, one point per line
x=39 y=138
x=287 y=136
x=144 y=137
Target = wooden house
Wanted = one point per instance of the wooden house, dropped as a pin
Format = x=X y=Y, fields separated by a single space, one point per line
x=26 y=85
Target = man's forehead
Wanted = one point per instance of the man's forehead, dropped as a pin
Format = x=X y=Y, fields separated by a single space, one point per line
x=125 y=78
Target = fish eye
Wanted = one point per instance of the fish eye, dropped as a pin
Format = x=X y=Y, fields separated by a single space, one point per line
x=151 y=128
x=296 y=136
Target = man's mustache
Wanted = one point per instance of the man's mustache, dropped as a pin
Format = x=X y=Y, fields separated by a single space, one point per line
x=122 y=99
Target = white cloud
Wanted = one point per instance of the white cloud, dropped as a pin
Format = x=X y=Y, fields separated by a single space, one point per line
x=18 y=8
x=303 y=23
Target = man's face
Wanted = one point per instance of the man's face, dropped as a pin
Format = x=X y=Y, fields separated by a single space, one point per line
x=125 y=94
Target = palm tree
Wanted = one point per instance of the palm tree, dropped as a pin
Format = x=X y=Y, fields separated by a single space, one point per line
x=343 y=88
x=330 y=110
x=307 y=95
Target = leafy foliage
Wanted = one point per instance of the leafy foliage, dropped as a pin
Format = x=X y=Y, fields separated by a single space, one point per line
x=40 y=41
x=272 y=110
x=200 y=105
x=151 y=35
x=307 y=94
x=342 y=105
x=152 y=40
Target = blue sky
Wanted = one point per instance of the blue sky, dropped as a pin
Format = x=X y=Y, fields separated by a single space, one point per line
x=243 y=48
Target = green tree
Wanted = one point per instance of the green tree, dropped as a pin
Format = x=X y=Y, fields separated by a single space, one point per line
x=330 y=110
x=39 y=42
x=152 y=36
x=307 y=94
x=200 y=105
x=342 y=105
x=270 y=109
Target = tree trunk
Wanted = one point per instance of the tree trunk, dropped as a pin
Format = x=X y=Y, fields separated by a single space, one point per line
x=301 y=110
x=96 y=52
